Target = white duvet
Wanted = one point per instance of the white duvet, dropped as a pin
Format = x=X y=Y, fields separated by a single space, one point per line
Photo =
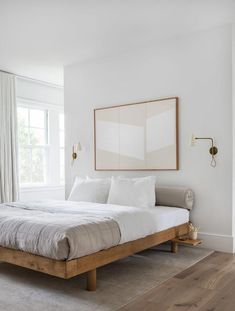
x=133 y=222
x=68 y=230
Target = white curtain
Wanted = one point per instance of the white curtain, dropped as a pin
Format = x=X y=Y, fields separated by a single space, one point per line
x=9 y=185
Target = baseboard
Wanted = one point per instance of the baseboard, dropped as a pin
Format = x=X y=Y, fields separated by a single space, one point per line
x=217 y=242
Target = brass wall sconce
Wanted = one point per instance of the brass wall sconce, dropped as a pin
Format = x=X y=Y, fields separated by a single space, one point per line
x=75 y=150
x=213 y=149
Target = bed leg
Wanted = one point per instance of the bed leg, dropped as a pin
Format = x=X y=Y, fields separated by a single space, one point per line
x=174 y=247
x=91 y=280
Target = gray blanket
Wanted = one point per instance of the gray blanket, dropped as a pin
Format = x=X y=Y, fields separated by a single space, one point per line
x=56 y=229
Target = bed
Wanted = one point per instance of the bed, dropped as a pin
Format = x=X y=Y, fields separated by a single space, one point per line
x=65 y=239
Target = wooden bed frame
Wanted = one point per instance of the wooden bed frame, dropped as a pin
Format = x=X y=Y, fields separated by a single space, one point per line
x=71 y=268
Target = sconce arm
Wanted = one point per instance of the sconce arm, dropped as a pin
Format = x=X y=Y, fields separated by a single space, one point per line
x=206 y=138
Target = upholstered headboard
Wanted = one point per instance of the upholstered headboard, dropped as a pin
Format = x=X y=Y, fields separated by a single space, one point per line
x=175 y=196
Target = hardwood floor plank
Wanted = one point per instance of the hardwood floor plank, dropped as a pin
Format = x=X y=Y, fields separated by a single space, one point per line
x=183 y=298
x=207 y=286
x=223 y=300
x=220 y=278
x=214 y=259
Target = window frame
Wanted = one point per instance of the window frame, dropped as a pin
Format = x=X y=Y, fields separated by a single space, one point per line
x=52 y=147
x=61 y=130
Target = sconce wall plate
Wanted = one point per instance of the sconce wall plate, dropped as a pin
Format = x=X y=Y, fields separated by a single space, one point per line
x=74 y=155
x=213 y=150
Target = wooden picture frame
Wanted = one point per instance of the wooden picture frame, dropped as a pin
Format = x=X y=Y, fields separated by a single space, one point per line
x=139 y=136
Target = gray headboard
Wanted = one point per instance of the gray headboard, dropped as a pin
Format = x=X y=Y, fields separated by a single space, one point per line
x=175 y=196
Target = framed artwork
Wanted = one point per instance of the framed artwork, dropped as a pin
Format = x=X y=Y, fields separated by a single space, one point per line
x=139 y=136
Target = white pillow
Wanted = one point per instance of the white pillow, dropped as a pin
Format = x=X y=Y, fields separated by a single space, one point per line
x=136 y=192
x=90 y=190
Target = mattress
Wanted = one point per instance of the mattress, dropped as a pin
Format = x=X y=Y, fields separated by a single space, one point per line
x=166 y=217
x=66 y=230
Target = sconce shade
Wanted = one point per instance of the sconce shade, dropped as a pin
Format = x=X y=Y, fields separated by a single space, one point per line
x=193 y=141
x=79 y=147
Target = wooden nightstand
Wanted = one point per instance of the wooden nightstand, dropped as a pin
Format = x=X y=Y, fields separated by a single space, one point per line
x=183 y=240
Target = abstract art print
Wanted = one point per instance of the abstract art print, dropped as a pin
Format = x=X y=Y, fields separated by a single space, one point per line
x=140 y=136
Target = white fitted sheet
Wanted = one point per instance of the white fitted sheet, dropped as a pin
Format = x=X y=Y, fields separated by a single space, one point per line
x=166 y=217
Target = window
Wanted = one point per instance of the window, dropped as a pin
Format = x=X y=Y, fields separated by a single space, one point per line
x=41 y=146
x=33 y=143
x=61 y=128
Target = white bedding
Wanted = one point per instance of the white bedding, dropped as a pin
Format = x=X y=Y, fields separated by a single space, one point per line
x=133 y=222
x=136 y=223
x=166 y=217
x=67 y=229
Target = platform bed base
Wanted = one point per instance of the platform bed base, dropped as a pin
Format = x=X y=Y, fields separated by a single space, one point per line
x=71 y=268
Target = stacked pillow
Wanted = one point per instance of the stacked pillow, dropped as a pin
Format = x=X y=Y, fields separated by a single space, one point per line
x=90 y=190
x=136 y=192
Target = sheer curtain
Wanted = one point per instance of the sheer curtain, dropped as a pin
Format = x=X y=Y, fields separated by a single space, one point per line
x=9 y=185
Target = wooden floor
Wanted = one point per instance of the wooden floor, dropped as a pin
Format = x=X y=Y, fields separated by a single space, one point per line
x=209 y=286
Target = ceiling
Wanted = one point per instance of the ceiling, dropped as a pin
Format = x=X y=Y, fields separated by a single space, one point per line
x=39 y=37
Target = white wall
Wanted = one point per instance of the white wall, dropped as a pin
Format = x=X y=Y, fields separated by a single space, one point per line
x=197 y=68
x=233 y=99
x=39 y=93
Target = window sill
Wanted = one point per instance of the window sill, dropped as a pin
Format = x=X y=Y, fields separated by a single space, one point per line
x=41 y=188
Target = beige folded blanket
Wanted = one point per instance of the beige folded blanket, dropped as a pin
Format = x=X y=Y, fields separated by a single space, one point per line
x=56 y=229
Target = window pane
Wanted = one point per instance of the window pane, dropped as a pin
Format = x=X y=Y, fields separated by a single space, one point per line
x=61 y=139
x=61 y=156
x=62 y=174
x=37 y=137
x=22 y=116
x=25 y=166
x=37 y=118
x=62 y=166
x=38 y=165
x=23 y=133
x=61 y=121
